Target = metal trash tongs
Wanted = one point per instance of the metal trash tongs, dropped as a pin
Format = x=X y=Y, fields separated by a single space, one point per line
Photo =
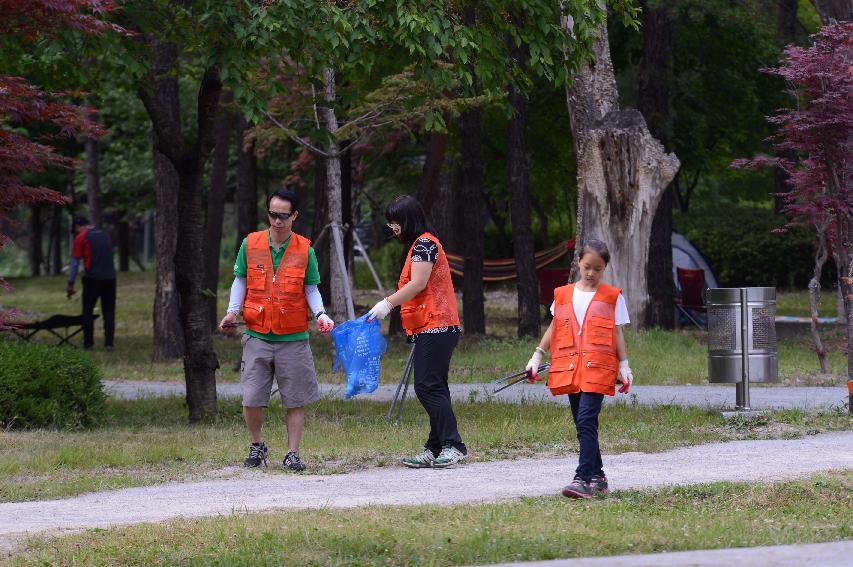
x=513 y=379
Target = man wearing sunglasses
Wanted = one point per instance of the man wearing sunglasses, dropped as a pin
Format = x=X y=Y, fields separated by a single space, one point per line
x=275 y=286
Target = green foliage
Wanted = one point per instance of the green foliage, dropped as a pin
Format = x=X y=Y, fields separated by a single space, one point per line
x=743 y=248
x=44 y=386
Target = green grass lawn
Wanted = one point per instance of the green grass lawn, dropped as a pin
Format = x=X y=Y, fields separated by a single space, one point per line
x=657 y=357
x=149 y=441
x=710 y=516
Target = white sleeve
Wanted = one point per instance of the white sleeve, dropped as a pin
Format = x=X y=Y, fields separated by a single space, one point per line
x=552 y=308
x=238 y=294
x=622 y=317
x=315 y=300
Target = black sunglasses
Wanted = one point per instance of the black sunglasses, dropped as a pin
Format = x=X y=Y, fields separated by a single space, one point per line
x=280 y=216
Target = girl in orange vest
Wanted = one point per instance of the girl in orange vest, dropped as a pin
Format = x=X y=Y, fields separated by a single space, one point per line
x=587 y=350
x=429 y=314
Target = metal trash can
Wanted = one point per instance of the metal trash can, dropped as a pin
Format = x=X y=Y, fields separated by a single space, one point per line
x=741 y=316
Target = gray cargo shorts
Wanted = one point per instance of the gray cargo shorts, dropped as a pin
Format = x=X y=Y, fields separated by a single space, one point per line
x=290 y=362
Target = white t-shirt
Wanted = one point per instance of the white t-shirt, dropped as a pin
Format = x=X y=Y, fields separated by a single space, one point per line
x=582 y=299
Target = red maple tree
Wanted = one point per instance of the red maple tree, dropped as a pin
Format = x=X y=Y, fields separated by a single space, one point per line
x=23 y=105
x=818 y=129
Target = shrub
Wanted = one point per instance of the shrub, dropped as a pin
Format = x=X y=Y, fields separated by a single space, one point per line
x=386 y=261
x=743 y=249
x=45 y=386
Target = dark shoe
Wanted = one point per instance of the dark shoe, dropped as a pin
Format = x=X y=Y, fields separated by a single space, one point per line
x=257 y=454
x=578 y=489
x=599 y=484
x=293 y=462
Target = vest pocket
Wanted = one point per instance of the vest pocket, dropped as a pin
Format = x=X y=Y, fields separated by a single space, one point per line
x=293 y=318
x=600 y=331
x=414 y=317
x=600 y=370
x=253 y=315
x=256 y=279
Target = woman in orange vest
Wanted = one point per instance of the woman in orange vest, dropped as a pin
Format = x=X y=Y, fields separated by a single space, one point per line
x=428 y=310
x=588 y=351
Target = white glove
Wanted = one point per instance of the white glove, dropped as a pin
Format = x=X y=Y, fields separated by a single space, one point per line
x=533 y=366
x=627 y=376
x=325 y=323
x=380 y=310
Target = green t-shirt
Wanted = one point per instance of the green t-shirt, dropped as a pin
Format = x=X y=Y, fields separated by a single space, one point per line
x=312 y=277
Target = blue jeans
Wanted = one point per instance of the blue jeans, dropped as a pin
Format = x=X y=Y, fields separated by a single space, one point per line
x=585 y=409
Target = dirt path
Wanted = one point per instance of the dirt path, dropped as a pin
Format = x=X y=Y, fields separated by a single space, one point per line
x=477 y=482
x=714 y=396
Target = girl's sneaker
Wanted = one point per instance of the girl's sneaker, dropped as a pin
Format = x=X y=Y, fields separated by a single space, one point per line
x=422 y=460
x=578 y=489
x=599 y=484
x=449 y=456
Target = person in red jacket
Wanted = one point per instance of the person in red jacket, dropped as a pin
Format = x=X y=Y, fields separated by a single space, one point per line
x=431 y=319
x=93 y=249
x=588 y=352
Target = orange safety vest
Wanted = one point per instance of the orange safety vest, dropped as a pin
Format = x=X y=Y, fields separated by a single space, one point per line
x=275 y=300
x=435 y=306
x=583 y=358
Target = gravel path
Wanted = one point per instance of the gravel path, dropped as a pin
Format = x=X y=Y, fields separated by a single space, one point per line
x=477 y=482
x=832 y=554
x=720 y=396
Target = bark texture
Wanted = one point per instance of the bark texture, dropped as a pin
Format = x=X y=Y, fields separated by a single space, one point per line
x=473 y=298
x=160 y=98
x=216 y=205
x=527 y=282
x=654 y=103
x=340 y=308
x=168 y=334
x=246 y=196
x=834 y=10
x=35 y=241
x=93 y=177
x=622 y=173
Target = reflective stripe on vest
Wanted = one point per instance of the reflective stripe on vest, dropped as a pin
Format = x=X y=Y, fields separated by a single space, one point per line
x=275 y=300
x=435 y=306
x=583 y=357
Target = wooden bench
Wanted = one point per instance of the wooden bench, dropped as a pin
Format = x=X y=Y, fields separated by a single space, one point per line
x=71 y=325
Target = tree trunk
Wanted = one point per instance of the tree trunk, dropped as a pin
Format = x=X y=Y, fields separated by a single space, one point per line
x=473 y=298
x=168 y=334
x=216 y=206
x=814 y=297
x=35 y=248
x=341 y=308
x=431 y=175
x=346 y=207
x=443 y=215
x=93 y=176
x=654 y=103
x=160 y=97
x=518 y=165
x=247 y=185
x=832 y=11
x=56 y=241
x=622 y=174
x=123 y=246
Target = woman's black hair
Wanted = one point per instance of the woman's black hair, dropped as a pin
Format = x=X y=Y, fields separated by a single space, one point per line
x=285 y=195
x=409 y=214
x=597 y=246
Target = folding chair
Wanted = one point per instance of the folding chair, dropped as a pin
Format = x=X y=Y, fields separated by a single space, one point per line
x=51 y=324
x=691 y=300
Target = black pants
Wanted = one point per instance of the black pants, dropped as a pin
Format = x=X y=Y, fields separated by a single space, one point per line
x=106 y=291
x=432 y=363
x=585 y=409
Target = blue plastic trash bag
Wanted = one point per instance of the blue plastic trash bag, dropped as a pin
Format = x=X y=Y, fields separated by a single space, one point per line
x=358 y=347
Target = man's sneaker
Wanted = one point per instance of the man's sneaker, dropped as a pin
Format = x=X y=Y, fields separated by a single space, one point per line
x=599 y=484
x=257 y=454
x=578 y=489
x=422 y=460
x=448 y=456
x=293 y=462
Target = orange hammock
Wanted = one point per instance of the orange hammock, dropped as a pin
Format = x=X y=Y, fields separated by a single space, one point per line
x=505 y=268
